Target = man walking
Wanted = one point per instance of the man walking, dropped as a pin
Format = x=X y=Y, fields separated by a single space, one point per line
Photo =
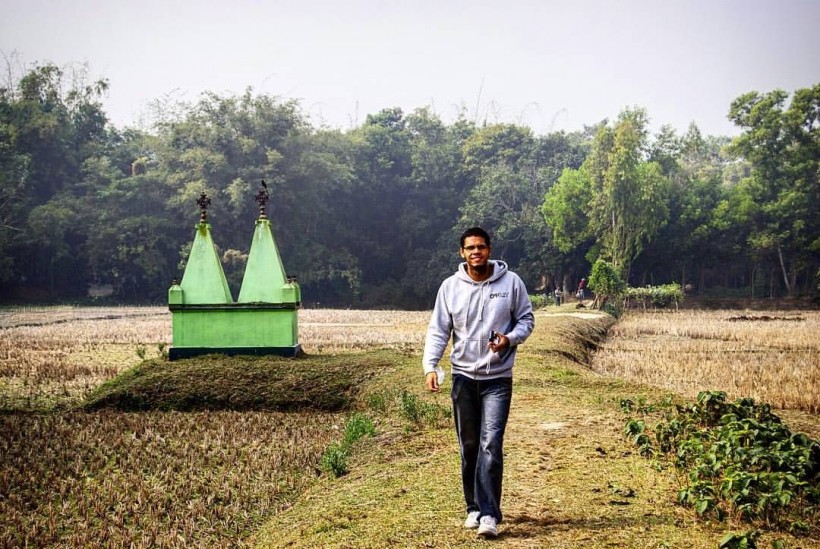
x=486 y=310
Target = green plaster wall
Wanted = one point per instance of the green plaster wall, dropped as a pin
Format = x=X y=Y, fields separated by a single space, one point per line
x=236 y=326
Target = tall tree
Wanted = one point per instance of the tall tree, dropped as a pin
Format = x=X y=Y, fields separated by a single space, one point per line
x=50 y=124
x=629 y=204
x=438 y=184
x=627 y=195
x=689 y=245
x=225 y=146
x=383 y=168
x=783 y=145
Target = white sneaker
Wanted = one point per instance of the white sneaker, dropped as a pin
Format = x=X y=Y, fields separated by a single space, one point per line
x=488 y=527
x=472 y=520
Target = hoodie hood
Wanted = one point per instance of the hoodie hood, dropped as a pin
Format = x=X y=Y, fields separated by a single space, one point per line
x=499 y=269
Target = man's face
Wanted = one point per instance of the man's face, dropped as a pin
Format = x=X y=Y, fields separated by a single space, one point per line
x=475 y=251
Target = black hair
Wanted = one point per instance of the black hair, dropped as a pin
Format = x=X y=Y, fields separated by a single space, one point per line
x=474 y=231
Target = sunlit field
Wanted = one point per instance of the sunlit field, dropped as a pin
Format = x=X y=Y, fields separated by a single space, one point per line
x=773 y=357
x=173 y=479
x=56 y=355
x=157 y=479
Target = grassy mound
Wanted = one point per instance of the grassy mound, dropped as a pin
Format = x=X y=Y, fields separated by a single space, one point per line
x=217 y=382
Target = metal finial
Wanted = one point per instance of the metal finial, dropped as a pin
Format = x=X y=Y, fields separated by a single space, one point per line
x=262 y=198
x=203 y=202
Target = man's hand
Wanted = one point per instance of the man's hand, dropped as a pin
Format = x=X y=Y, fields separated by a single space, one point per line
x=431 y=381
x=500 y=343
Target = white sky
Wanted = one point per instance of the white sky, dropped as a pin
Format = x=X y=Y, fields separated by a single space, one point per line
x=552 y=65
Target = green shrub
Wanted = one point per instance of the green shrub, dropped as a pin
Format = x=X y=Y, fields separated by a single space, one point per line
x=606 y=282
x=357 y=427
x=334 y=459
x=611 y=309
x=738 y=459
x=539 y=301
x=746 y=540
x=377 y=402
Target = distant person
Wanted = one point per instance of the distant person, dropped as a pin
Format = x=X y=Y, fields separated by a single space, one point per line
x=484 y=307
x=582 y=286
x=558 y=295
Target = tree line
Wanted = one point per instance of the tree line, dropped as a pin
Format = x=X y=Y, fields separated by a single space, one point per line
x=370 y=216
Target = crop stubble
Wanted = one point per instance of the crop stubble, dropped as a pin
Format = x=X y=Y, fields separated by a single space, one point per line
x=772 y=357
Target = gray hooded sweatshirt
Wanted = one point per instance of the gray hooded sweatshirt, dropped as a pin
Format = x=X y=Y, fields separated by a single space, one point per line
x=470 y=311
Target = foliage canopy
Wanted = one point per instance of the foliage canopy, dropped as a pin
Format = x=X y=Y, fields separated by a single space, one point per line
x=369 y=217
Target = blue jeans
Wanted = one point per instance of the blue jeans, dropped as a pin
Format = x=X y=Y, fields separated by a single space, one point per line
x=480 y=410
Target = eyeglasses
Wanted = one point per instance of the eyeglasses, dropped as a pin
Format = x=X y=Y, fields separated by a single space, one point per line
x=479 y=247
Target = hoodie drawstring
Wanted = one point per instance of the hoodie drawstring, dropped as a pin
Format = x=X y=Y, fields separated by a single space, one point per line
x=483 y=288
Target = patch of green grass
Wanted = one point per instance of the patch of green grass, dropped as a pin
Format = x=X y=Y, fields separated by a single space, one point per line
x=335 y=458
x=358 y=426
x=420 y=412
x=564 y=373
x=377 y=402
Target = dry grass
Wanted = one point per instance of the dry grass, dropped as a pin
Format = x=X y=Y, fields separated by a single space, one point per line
x=344 y=331
x=114 y=479
x=773 y=357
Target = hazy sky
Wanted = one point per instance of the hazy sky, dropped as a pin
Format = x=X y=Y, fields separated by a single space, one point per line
x=548 y=64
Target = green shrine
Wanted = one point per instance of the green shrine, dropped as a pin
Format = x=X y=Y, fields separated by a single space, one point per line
x=206 y=319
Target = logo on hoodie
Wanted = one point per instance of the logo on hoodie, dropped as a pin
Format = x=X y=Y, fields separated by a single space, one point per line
x=499 y=294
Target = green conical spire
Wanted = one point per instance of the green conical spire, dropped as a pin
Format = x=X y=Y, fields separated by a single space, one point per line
x=264 y=280
x=204 y=280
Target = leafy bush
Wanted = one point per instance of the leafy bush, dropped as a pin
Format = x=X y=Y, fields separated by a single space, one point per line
x=659 y=297
x=377 y=402
x=357 y=427
x=611 y=309
x=606 y=282
x=334 y=460
x=746 y=540
x=740 y=459
x=538 y=301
